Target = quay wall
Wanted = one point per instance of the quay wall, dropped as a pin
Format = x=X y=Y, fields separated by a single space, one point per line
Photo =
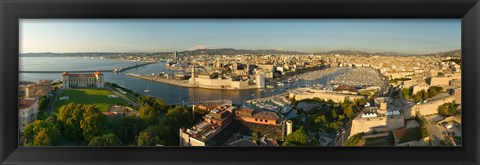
x=428 y=108
x=378 y=124
x=326 y=95
x=185 y=83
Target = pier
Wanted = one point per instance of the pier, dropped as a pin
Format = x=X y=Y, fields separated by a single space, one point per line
x=100 y=70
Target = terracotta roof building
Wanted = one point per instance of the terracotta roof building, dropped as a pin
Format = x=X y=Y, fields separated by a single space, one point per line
x=83 y=80
x=27 y=112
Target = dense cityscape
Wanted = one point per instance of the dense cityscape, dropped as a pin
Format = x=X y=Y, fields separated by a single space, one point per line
x=336 y=98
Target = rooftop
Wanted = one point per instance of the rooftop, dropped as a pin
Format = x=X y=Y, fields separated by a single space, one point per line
x=82 y=74
x=400 y=133
x=24 y=104
x=266 y=115
x=213 y=104
x=41 y=91
x=245 y=110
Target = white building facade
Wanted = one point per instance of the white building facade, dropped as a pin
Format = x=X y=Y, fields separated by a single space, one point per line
x=83 y=80
x=27 y=112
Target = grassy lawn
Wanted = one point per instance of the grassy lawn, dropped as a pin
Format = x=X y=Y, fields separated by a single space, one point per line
x=97 y=97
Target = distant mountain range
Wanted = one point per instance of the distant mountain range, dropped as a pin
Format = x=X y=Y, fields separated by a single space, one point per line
x=231 y=51
x=453 y=53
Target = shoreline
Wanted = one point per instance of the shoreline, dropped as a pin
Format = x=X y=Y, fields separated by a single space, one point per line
x=181 y=83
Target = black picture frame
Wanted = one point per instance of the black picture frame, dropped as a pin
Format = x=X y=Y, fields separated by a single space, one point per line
x=13 y=10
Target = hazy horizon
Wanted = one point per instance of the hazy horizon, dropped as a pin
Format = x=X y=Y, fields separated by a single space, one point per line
x=244 y=49
x=407 y=36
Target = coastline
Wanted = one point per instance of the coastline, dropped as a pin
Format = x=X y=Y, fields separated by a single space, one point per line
x=181 y=83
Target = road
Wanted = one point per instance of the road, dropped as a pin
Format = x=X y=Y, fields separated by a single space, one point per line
x=344 y=136
x=53 y=99
x=114 y=91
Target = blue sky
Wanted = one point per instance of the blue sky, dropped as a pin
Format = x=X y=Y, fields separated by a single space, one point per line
x=307 y=35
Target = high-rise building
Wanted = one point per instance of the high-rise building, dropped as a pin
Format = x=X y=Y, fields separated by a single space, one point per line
x=260 y=80
x=174 y=55
x=192 y=79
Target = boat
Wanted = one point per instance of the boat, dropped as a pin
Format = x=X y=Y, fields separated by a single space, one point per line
x=147 y=91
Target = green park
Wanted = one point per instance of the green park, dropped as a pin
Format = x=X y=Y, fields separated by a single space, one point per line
x=98 y=97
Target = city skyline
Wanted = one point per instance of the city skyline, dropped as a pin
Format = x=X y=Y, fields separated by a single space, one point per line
x=408 y=36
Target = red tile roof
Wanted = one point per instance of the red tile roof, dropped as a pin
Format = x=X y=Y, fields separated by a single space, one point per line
x=82 y=74
x=24 y=104
x=400 y=133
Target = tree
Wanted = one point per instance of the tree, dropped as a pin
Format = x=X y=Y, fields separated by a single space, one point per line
x=434 y=90
x=334 y=114
x=42 y=139
x=407 y=93
x=133 y=126
x=298 y=137
x=355 y=140
x=117 y=126
x=330 y=101
x=420 y=95
x=68 y=118
x=105 y=140
x=360 y=102
x=176 y=118
x=179 y=117
x=92 y=122
x=254 y=136
x=148 y=114
x=320 y=119
x=152 y=136
x=41 y=133
x=147 y=139
x=42 y=104
x=349 y=112
x=335 y=125
x=448 y=109
x=80 y=122
x=158 y=104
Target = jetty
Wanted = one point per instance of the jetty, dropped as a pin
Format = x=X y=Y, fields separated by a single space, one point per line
x=99 y=70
